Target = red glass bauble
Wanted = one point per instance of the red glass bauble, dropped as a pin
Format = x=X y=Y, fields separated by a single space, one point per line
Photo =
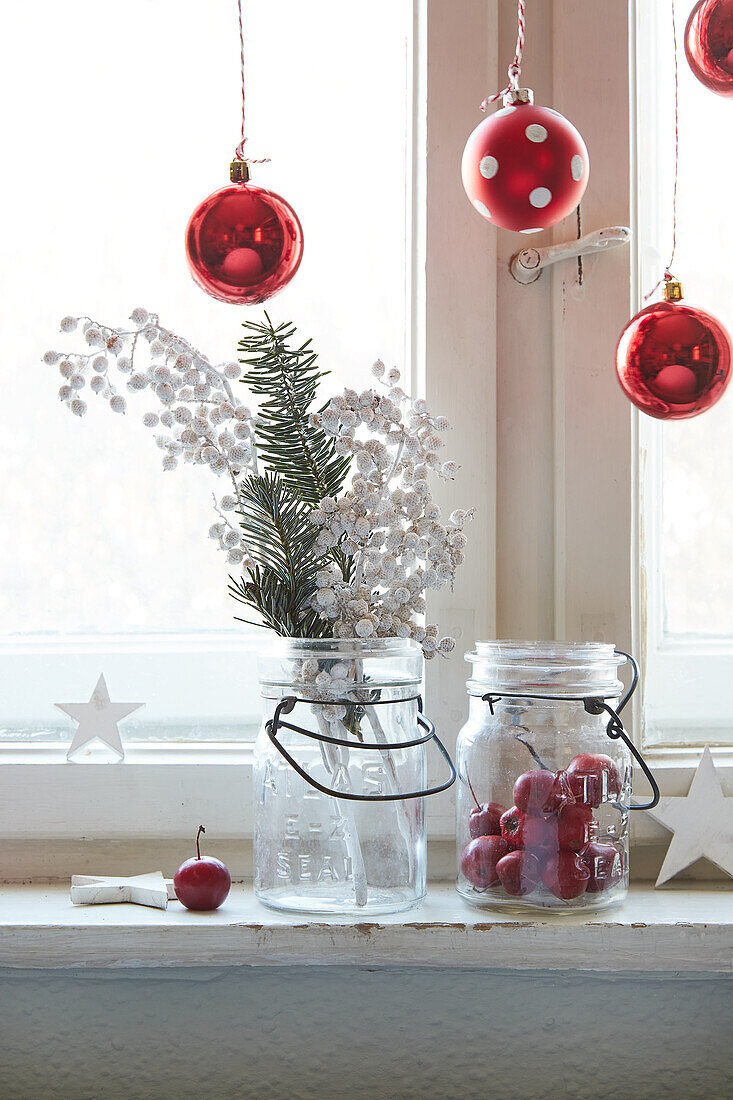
x=673 y=360
x=709 y=44
x=525 y=167
x=243 y=244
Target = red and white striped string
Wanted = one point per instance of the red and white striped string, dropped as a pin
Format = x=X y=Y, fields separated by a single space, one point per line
x=668 y=269
x=515 y=69
x=239 y=151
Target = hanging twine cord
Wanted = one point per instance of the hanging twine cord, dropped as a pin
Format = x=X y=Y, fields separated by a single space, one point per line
x=668 y=269
x=239 y=151
x=515 y=69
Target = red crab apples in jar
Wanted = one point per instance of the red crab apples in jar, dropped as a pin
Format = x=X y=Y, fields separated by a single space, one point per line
x=520 y=830
x=593 y=778
x=604 y=864
x=479 y=860
x=519 y=872
x=483 y=820
x=576 y=826
x=541 y=792
x=566 y=875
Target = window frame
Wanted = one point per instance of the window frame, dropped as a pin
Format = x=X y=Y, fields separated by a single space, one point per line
x=554 y=548
x=687 y=676
x=161 y=787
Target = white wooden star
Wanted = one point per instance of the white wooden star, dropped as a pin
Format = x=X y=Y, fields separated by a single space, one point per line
x=702 y=823
x=149 y=890
x=98 y=720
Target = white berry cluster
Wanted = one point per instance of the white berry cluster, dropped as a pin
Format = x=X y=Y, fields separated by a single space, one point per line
x=197 y=417
x=387 y=521
x=386 y=526
x=336 y=682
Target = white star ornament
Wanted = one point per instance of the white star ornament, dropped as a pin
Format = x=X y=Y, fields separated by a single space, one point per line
x=702 y=823
x=149 y=890
x=98 y=720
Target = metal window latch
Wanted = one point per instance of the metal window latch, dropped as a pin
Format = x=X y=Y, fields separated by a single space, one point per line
x=526 y=266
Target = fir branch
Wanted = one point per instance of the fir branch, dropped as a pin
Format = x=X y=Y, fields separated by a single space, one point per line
x=288 y=378
x=265 y=593
x=281 y=542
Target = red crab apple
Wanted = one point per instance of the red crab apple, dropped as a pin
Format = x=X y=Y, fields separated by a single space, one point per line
x=519 y=872
x=522 y=831
x=483 y=820
x=593 y=778
x=576 y=826
x=605 y=865
x=566 y=875
x=479 y=860
x=202 y=882
x=541 y=792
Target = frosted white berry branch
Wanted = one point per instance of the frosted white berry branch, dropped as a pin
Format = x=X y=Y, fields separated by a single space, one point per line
x=385 y=525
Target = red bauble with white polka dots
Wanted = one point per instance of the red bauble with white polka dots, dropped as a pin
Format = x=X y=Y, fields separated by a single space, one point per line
x=673 y=360
x=243 y=243
x=709 y=44
x=525 y=167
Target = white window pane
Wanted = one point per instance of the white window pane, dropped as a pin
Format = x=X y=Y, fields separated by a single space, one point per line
x=687 y=521
x=123 y=120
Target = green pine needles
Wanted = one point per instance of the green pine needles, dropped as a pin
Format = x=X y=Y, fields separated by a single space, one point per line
x=302 y=467
x=288 y=377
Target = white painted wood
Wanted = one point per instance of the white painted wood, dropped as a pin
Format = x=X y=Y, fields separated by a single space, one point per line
x=702 y=823
x=564 y=444
x=673 y=931
x=455 y=358
x=525 y=526
x=151 y=890
x=134 y=799
x=593 y=419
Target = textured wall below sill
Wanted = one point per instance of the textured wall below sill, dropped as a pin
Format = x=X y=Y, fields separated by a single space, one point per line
x=335 y=1033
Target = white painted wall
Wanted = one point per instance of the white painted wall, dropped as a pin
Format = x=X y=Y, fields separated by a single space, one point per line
x=333 y=1033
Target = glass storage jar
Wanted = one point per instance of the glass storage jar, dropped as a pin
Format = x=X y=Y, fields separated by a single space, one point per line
x=545 y=778
x=339 y=777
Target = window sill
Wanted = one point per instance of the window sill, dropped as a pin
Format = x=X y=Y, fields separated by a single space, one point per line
x=675 y=930
x=149 y=753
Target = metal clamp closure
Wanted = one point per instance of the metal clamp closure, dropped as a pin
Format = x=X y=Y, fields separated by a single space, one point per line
x=594 y=705
x=286 y=705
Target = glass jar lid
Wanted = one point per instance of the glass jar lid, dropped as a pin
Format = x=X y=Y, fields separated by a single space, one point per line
x=558 y=669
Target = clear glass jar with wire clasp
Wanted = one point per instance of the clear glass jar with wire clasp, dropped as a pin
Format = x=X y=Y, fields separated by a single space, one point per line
x=340 y=775
x=544 y=769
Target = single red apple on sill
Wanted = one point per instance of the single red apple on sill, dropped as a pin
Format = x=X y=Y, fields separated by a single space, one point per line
x=202 y=882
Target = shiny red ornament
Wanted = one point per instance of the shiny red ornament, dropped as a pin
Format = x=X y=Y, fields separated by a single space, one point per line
x=673 y=360
x=709 y=44
x=243 y=243
x=525 y=167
